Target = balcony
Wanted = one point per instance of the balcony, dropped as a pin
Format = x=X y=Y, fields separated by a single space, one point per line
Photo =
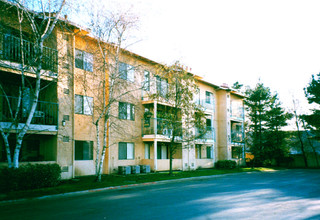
x=161 y=127
x=237 y=113
x=46 y=113
x=206 y=133
x=205 y=105
x=236 y=137
x=12 y=50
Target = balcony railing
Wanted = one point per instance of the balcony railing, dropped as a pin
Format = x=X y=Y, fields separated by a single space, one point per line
x=236 y=137
x=205 y=104
x=205 y=133
x=237 y=113
x=11 y=51
x=158 y=126
x=46 y=112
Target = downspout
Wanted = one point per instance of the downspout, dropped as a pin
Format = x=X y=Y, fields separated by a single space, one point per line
x=155 y=144
x=73 y=101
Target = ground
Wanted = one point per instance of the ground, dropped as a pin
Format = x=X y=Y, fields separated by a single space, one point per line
x=284 y=194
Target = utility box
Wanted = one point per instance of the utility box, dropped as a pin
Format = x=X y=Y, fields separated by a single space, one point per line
x=135 y=169
x=145 y=168
x=124 y=170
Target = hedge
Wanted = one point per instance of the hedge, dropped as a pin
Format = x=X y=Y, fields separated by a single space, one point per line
x=30 y=176
x=225 y=164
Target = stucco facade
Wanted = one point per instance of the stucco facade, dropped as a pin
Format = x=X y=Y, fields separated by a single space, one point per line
x=75 y=89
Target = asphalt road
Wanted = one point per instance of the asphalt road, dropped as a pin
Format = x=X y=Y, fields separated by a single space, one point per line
x=287 y=194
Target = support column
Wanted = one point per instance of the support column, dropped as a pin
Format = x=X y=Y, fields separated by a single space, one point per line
x=155 y=143
x=155 y=159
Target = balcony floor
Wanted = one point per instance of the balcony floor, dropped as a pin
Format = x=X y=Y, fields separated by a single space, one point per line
x=161 y=138
x=33 y=128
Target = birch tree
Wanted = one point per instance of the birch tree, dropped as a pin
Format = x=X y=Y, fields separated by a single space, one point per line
x=41 y=24
x=182 y=115
x=111 y=30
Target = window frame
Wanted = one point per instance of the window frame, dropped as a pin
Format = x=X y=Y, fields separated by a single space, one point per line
x=235 y=152
x=162 y=152
x=146 y=80
x=147 y=151
x=126 y=111
x=126 y=72
x=84 y=60
x=123 y=146
x=86 y=105
x=209 y=152
x=162 y=86
x=85 y=154
x=209 y=97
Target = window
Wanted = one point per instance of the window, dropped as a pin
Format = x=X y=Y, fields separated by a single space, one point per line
x=198 y=151
x=126 y=151
x=196 y=96
x=209 y=153
x=162 y=86
x=84 y=60
x=83 y=150
x=146 y=81
x=126 y=72
x=126 y=111
x=162 y=152
x=146 y=151
x=209 y=97
x=83 y=105
x=236 y=152
x=34 y=148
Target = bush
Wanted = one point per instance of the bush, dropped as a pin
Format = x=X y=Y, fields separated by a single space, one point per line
x=225 y=164
x=30 y=176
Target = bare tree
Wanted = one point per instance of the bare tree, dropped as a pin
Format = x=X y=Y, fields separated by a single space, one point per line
x=110 y=32
x=298 y=122
x=182 y=115
x=40 y=25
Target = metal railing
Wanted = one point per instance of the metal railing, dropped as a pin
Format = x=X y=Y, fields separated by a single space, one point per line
x=236 y=137
x=205 y=104
x=237 y=113
x=46 y=113
x=205 y=133
x=159 y=126
x=11 y=51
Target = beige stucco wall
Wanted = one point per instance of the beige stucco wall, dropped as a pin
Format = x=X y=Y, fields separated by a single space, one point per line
x=90 y=84
x=204 y=163
x=222 y=124
x=123 y=130
x=215 y=116
x=65 y=99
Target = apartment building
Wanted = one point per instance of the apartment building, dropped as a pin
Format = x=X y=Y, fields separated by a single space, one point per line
x=63 y=127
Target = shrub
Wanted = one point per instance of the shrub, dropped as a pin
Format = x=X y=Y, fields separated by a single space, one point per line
x=30 y=176
x=225 y=164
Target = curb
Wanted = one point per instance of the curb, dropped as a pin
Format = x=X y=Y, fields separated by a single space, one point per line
x=117 y=187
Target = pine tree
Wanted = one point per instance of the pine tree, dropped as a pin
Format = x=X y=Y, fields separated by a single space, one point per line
x=312 y=92
x=266 y=118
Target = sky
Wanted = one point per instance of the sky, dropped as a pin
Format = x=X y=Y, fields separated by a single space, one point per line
x=274 y=41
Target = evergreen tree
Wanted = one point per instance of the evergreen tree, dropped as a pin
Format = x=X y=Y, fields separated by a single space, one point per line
x=312 y=92
x=257 y=104
x=276 y=146
x=266 y=118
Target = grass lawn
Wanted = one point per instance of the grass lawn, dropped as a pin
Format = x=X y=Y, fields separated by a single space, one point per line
x=88 y=182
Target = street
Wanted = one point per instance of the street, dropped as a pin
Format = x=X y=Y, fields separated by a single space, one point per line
x=285 y=194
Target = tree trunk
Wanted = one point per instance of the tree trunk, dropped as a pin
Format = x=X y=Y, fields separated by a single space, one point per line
x=105 y=137
x=7 y=145
x=98 y=146
x=301 y=141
